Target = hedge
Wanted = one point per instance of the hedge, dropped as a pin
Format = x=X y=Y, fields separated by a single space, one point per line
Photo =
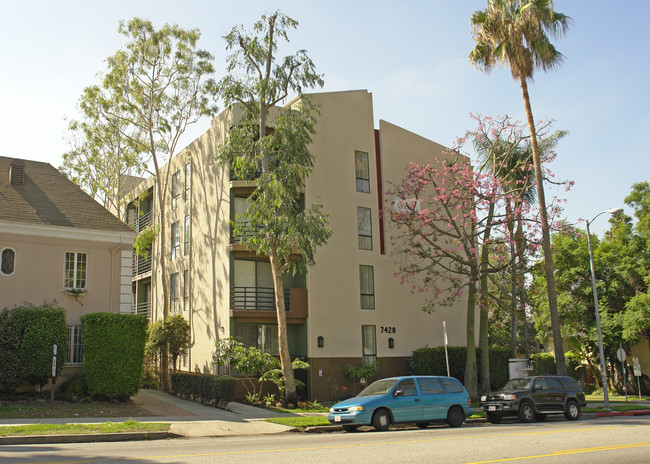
x=27 y=335
x=113 y=353
x=431 y=361
x=209 y=389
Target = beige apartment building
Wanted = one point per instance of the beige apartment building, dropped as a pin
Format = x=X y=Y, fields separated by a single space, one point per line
x=57 y=244
x=346 y=309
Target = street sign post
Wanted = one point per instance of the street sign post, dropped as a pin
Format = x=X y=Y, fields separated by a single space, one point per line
x=637 y=373
x=620 y=354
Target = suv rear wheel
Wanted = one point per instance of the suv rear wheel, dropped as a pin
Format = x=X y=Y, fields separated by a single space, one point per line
x=572 y=410
x=526 y=412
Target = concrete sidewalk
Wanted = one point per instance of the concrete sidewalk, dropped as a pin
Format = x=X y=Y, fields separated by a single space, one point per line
x=187 y=418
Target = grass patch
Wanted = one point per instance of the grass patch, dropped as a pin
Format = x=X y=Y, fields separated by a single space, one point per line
x=615 y=399
x=300 y=422
x=618 y=407
x=76 y=429
x=40 y=409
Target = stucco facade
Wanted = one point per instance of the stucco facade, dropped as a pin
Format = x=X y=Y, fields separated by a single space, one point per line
x=224 y=288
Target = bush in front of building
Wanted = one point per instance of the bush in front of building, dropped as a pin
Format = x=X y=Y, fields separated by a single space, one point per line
x=544 y=363
x=218 y=390
x=27 y=336
x=431 y=361
x=113 y=353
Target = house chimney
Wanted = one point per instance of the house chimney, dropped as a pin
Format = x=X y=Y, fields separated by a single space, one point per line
x=17 y=172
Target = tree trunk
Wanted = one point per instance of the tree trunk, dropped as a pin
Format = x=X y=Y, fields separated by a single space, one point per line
x=560 y=362
x=470 y=364
x=283 y=344
x=483 y=335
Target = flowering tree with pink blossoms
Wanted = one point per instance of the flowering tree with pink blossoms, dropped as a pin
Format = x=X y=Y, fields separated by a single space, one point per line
x=451 y=220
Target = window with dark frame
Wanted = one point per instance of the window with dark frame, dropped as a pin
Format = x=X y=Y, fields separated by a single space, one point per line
x=369 y=343
x=362 y=171
x=176 y=178
x=176 y=240
x=186 y=290
x=174 y=292
x=75 y=352
x=188 y=181
x=186 y=236
x=364 y=221
x=367 y=284
x=8 y=261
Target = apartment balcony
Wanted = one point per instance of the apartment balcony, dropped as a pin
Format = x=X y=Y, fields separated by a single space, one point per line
x=235 y=240
x=143 y=221
x=259 y=303
x=141 y=265
x=142 y=308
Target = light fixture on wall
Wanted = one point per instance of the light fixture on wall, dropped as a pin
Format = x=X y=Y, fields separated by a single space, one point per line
x=391 y=342
x=321 y=341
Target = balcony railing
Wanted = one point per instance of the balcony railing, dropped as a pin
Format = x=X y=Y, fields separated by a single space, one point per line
x=257 y=298
x=141 y=265
x=238 y=238
x=143 y=221
x=142 y=308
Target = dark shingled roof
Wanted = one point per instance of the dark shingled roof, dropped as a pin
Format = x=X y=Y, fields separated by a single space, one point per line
x=48 y=197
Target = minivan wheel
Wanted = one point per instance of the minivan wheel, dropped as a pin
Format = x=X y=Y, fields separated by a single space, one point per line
x=526 y=412
x=572 y=411
x=381 y=420
x=493 y=417
x=455 y=416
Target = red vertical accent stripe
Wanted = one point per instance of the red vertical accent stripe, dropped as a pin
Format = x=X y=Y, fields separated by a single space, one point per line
x=380 y=196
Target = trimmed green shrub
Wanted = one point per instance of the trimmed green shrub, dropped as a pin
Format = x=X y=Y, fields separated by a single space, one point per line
x=113 y=353
x=27 y=335
x=10 y=337
x=431 y=361
x=75 y=389
x=544 y=363
x=209 y=389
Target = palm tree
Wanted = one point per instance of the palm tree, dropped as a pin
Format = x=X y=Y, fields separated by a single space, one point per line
x=516 y=33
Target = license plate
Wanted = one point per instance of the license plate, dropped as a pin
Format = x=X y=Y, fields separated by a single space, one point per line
x=492 y=408
x=337 y=418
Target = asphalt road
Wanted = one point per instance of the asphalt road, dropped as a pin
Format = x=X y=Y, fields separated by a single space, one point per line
x=604 y=440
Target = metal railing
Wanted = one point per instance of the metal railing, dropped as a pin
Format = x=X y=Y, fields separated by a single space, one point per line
x=142 y=308
x=143 y=221
x=141 y=265
x=257 y=298
x=245 y=236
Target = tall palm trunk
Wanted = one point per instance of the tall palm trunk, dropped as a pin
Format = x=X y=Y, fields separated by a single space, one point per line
x=560 y=363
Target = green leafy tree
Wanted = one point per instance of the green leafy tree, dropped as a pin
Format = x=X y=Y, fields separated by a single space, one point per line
x=154 y=88
x=271 y=149
x=516 y=33
x=101 y=158
x=173 y=333
x=250 y=362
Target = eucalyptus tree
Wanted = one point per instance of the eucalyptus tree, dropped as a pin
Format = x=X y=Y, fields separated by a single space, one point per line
x=516 y=33
x=154 y=88
x=270 y=147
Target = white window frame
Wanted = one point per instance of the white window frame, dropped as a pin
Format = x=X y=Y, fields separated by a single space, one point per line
x=75 y=271
x=13 y=265
x=75 y=353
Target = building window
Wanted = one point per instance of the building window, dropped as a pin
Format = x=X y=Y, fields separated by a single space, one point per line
x=174 y=292
x=369 y=343
x=188 y=181
x=176 y=240
x=364 y=221
x=367 y=284
x=75 y=354
x=8 y=261
x=176 y=188
x=261 y=336
x=186 y=236
x=362 y=171
x=186 y=290
x=74 y=273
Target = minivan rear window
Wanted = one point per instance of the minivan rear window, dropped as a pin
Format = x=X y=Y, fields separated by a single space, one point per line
x=452 y=385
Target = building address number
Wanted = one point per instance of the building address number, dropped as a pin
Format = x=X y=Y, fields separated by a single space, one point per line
x=388 y=330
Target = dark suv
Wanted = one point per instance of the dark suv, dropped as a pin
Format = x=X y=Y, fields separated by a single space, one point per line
x=532 y=398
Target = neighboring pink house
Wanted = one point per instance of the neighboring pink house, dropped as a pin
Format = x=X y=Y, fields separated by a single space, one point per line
x=58 y=244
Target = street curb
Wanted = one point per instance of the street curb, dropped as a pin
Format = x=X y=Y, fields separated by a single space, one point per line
x=640 y=412
x=85 y=438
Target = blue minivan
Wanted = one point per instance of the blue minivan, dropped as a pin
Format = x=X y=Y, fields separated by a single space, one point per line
x=421 y=399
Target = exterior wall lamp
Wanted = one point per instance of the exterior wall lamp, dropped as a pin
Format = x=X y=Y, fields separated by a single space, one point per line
x=321 y=341
x=391 y=342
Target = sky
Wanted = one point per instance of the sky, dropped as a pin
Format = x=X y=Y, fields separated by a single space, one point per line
x=411 y=54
